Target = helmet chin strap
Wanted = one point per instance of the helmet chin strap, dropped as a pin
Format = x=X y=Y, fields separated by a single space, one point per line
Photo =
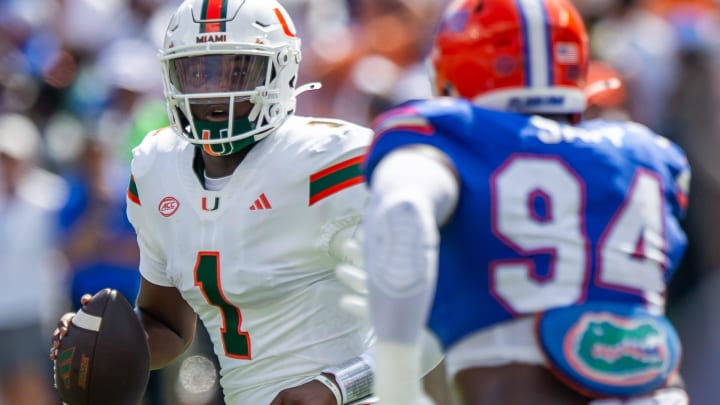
x=255 y=112
x=261 y=92
x=256 y=101
x=307 y=87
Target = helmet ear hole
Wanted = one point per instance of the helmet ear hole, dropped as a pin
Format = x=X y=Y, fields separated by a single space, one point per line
x=283 y=57
x=274 y=111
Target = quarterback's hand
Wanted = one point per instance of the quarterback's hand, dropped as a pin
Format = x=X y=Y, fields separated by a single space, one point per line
x=62 y=328
x=310 y=393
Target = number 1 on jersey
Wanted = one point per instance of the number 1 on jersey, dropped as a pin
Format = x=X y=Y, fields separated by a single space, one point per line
x=207 y=278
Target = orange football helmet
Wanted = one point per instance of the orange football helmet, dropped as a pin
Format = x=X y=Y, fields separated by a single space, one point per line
x=529 y=56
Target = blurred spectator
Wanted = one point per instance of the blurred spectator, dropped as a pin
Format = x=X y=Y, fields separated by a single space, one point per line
x=29 y=200
x=99 y=242
x=135 y=105
x=607 y=97
x=692 y=122
x=376 y=60
x=643 y=48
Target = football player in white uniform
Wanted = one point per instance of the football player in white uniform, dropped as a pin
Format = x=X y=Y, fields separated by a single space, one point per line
x=242 y=209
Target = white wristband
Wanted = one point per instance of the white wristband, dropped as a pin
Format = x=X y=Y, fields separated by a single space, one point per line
x=354 y=377
x=332 y=386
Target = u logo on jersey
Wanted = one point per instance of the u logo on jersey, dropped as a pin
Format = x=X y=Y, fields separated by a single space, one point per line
x=206 y=207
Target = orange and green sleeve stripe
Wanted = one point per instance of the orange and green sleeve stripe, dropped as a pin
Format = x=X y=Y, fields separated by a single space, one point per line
x=335 y=178
x=132 y=193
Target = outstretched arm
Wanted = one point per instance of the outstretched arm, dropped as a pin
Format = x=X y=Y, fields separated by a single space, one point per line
x=413 y=192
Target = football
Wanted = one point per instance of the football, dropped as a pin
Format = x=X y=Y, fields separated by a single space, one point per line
x=104 y=358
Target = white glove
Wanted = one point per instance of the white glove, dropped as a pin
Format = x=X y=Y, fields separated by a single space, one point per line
x=356 y=278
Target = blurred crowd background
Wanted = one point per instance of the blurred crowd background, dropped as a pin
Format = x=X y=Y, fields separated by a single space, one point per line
x=80 y=86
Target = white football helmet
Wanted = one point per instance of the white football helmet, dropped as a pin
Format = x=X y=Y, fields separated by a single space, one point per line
x=229 y=71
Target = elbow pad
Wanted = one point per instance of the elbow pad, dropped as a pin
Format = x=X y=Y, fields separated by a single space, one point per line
x=411 y=194
x=401 y=241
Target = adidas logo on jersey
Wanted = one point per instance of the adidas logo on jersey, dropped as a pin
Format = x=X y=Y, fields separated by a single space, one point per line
x=261 y=203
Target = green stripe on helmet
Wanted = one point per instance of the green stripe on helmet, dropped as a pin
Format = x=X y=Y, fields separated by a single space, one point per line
x=213 y=10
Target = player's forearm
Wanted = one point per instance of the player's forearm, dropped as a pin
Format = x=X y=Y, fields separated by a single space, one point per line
x=411 y=194
x=168 y=321
x=165 y=343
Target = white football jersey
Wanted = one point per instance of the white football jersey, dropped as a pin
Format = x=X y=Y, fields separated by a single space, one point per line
x=254 y=259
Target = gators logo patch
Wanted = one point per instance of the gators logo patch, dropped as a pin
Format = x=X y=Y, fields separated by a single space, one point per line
x=616 y=350
x=609 y=349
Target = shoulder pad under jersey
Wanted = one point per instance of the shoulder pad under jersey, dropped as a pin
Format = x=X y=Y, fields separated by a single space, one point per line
x=427 y=116
x=319 y=142
x=154 y=143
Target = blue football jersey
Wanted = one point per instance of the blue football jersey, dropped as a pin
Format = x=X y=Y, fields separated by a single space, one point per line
x=549 y=215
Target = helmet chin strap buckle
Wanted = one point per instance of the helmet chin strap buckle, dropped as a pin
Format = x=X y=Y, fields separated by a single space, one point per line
x=307 y=87
x=256 y=99
x=255 y=112
x=261 y=93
